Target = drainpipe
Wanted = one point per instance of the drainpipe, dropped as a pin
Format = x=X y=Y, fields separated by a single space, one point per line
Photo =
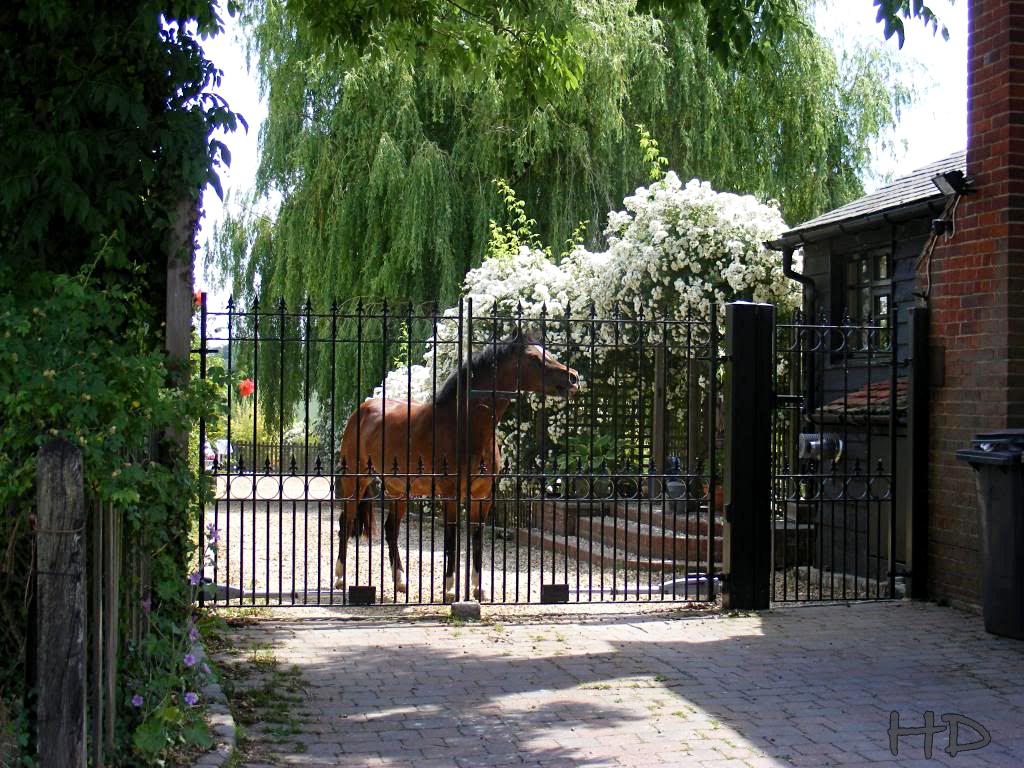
x=810 y=292
x=809 y=295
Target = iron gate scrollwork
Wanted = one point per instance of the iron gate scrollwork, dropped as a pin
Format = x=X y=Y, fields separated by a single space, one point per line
x=401 y=455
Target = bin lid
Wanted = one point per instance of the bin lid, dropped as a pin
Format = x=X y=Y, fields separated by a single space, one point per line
x=976 y=456
x=1001 y=439
x=1003 y=447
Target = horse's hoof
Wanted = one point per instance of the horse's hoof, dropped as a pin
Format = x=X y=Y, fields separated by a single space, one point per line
x=449 y=597
x=400 y=587
x=478 y=594
x=339 y=584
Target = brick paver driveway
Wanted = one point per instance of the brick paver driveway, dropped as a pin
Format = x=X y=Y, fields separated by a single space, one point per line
x=810 y=686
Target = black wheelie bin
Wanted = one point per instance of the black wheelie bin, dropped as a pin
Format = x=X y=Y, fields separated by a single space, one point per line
x=998 y=462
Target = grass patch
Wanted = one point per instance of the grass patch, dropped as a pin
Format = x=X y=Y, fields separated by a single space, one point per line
x=267 y=699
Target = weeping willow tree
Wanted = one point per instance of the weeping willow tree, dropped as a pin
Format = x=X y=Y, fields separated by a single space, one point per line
x=384 y=162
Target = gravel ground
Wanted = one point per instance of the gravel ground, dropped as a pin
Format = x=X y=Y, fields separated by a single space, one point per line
x=272 y=549
x=280 y=549
x=809 y=584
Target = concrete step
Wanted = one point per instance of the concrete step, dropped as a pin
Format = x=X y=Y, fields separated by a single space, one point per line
x=631 y=554
x=674 y=517
x=635 y=530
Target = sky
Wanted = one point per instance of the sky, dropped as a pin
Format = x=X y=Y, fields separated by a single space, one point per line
x=932 y=128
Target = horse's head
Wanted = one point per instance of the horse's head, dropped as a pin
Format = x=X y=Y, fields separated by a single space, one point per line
x=541 y=371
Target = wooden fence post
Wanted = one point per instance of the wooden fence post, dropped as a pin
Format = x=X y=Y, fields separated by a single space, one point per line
x=60 y=600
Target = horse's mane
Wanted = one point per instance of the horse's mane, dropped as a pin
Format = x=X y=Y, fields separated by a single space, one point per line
x=490 y=357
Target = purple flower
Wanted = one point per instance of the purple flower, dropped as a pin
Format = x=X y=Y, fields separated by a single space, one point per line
x=193 y=578
x=212 y=533
x=193 y=633
x=205 y=668
x=191 y=698
x=146 y=603
x=137 y=701
x=189 y=660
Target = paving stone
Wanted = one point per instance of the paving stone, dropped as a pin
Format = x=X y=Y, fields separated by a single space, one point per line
x=789 y=687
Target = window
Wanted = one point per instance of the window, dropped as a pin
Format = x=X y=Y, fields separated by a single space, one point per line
x=869 y=293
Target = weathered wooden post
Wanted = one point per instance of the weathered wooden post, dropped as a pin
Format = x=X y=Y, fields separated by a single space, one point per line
x=749 y=399
x=60 y=601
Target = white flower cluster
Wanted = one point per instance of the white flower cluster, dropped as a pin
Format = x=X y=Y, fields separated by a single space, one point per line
x=676 y=248
x=403 y=383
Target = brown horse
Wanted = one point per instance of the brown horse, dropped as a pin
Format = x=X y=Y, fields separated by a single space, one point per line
x=416 y=449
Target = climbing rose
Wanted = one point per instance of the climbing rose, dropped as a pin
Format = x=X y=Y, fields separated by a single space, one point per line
x=246 y=388
x=197 y=297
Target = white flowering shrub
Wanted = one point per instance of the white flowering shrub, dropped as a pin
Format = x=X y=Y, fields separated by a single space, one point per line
x=670 y=253
x=675 y=249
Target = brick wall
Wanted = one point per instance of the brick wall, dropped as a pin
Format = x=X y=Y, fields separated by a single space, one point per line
x=977 y=302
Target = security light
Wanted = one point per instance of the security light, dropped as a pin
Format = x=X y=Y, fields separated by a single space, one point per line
x=952 y=183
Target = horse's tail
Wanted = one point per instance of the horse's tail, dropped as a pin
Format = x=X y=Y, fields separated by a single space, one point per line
x=363 y=524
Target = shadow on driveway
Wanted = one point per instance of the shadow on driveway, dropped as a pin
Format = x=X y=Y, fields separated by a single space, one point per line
x=809 y=686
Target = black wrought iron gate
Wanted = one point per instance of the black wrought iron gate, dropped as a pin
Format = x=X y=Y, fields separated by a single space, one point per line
x=369 y=454
x=816 y=418
x=572 y=458
x=839 y=426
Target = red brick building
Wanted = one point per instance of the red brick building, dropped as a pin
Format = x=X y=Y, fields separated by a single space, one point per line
x=976 y=300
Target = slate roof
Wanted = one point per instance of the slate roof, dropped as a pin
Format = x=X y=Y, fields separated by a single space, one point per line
x=913 y=188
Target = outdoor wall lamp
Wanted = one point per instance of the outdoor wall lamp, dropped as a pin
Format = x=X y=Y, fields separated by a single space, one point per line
x=952 y=183
x=821 y=446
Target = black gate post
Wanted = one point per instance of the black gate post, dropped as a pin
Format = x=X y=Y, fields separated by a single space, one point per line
x=749 y=399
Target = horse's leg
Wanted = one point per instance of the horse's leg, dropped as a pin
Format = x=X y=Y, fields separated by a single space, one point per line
x=352 y=495
x=451 y=522
x=392 y=525
x=478 y=546
x=344 y=490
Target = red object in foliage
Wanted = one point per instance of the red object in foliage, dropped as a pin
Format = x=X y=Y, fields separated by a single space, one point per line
x=246 y=388
x=197 y=297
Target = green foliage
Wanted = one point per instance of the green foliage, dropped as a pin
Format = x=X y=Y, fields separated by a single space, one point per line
x=79 y=365
x=105 y=123
x=384 y=164
x=520 y=232
x=102 y=126
x=539 y=46
x=650 y=152
x=383 y=158
x=890 y=11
